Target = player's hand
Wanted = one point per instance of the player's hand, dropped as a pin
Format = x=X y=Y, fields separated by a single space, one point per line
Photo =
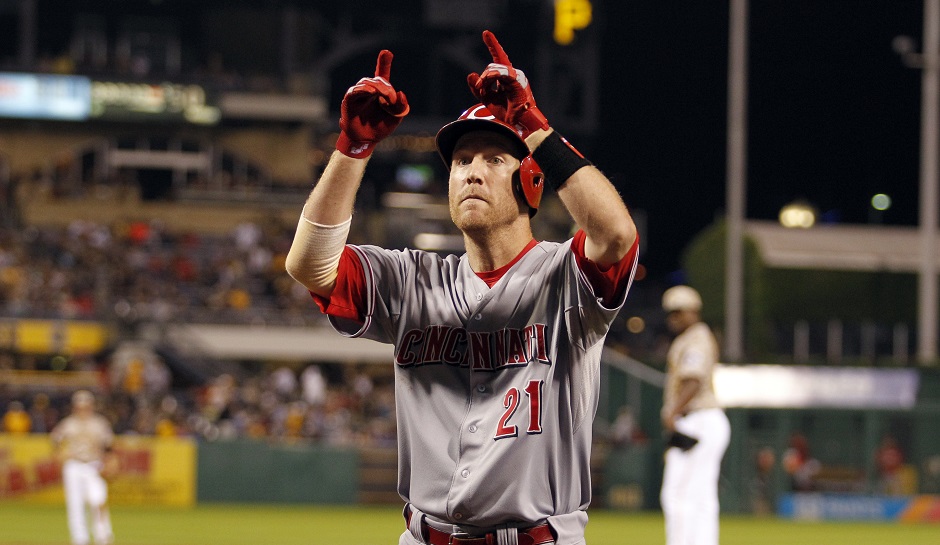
x=505 y=90
x=371 y=111
x=110 y=467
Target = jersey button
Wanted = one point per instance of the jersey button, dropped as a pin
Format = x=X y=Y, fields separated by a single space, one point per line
x=458 y=516
x=481 y=388
x=465 y=473
x=478 y=317
x=472 y=428
x=479 y=297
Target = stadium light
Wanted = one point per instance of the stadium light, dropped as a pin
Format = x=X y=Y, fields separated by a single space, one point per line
x=881 y=202
x=798 y=215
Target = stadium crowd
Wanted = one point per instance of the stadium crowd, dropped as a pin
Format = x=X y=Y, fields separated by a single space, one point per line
x=337 y=405
x=140 y=271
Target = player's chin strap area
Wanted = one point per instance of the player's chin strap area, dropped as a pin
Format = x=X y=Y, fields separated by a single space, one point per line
x=424 y=532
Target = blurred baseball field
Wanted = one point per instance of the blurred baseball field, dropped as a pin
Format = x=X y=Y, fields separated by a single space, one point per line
x=22 y=524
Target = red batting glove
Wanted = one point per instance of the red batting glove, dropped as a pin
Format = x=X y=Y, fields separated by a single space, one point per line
x=505 y=90
x=371 y=111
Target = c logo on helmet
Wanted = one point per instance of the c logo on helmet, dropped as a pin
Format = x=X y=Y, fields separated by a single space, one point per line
x=472 y=113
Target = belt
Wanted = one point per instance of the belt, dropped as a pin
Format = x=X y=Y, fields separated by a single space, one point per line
x=536 y=535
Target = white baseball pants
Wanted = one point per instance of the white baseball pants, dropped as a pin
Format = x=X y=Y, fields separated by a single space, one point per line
x=689 y=495
x=84 y=486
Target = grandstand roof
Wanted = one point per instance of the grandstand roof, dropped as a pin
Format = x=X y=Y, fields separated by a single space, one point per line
x=839 y=247
x=274 y=342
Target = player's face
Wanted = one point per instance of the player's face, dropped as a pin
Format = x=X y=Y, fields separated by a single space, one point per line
x=679 y=320
x=481 y=177
x=83 y=409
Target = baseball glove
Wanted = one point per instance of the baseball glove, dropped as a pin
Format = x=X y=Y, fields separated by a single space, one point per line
x=680 y=440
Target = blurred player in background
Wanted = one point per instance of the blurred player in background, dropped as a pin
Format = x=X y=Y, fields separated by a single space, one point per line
x=696 y=427
x=497 y=351
x=82 y=441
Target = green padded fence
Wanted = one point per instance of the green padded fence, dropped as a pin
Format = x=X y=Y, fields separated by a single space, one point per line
x=257 y=471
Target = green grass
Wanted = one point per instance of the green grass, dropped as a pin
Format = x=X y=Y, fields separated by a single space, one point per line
x=22 y=524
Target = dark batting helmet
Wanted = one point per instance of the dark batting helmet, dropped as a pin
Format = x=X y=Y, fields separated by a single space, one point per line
x=479 y=118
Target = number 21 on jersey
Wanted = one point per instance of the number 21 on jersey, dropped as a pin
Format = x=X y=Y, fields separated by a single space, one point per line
x=511 y=401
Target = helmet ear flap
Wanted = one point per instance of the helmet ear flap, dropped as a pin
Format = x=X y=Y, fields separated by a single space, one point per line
x=532 y=182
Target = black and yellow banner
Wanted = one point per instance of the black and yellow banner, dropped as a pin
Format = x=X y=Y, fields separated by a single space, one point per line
x=53 y=336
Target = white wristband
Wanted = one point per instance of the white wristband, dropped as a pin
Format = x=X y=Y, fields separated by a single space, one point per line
x=314 y=254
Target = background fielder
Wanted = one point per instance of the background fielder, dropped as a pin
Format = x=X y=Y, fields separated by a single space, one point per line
x=82 y=441
x=689 y=493
x=497 y=351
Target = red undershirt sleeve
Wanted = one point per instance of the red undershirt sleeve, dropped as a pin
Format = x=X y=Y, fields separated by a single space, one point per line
x=610 y=282
x=348 y=297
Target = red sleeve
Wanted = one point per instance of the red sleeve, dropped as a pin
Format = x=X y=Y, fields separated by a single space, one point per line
x=348 y=297
x=611 y=282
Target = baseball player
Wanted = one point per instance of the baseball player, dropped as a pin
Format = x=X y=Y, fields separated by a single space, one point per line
x=696 y=426
x=82 y=441
x=496 y=351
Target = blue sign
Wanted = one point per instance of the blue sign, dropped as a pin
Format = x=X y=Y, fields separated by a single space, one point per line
x=45 y=96
x=809 y=506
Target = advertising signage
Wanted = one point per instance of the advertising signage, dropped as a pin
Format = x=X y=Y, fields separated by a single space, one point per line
x=124 y=101
x=79 y=98
x=44 y=96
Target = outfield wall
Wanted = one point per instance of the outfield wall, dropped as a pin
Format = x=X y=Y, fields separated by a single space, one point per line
x=255 y=471
x=180 y=472
x=152 y=471
x=844 y=440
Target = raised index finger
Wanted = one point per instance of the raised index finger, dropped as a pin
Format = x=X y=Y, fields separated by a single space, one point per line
x=496 y=50
x=383 y=66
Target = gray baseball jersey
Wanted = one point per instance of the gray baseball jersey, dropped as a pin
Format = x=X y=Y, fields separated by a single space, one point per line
x=83 y=439
x=496 y=388
x=693 y=354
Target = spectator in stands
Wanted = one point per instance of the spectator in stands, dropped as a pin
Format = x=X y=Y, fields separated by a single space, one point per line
x=362 y=384
x=889 y=460
x=762 y=500
x=799 y=464
x=120 y=412
x=930 y=480
x=42 y=414
x=139 y=372
x=165 y=427
x=337 y=420
x=284 y=382
x=294 y=421
x=313 y=385
x=624 y=430
x=16 y=420
x=145 y=422
x=219 y=397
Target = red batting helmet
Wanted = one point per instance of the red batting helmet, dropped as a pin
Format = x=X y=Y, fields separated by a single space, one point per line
x=479 y=118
